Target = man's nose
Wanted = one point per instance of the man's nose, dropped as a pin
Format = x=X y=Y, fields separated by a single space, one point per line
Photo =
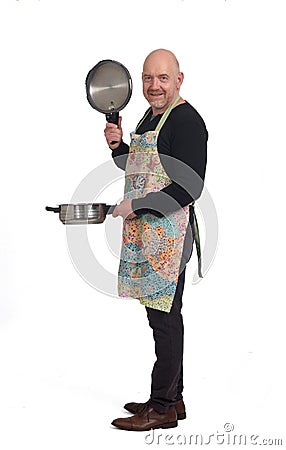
x=155 y=83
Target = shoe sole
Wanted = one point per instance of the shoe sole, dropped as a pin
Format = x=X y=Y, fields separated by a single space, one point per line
x=164 y=426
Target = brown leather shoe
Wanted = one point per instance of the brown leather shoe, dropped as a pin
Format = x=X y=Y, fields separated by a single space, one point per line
x=148 y=419
x=134 y=408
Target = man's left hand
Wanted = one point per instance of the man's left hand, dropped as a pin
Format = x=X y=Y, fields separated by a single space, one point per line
x=124 y=209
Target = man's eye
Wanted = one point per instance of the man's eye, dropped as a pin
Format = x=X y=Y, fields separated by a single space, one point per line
x=147 y=79
x=164 y=78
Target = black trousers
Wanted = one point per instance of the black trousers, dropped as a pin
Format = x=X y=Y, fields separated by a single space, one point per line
x=168 y=333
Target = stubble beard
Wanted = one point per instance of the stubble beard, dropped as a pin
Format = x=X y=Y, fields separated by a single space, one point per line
x=157 y=103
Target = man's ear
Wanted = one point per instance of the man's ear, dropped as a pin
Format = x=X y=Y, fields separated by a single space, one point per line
x=180 y=79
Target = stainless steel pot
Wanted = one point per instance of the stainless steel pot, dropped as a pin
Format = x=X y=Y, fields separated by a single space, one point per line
x=82 y=213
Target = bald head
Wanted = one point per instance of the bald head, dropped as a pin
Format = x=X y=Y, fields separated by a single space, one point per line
x=162 y=79
x=162 y=55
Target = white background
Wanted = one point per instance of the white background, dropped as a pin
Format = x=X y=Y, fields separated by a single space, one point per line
x=70 y=357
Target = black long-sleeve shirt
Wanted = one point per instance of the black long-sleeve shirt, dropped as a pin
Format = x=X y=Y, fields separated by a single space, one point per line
x=183 y=137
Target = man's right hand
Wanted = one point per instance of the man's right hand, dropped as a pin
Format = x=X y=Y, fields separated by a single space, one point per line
x=113 y=134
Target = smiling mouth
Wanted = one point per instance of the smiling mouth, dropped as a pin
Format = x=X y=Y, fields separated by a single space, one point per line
x=155 y=94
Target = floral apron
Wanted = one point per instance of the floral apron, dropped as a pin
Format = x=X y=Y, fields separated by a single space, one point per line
x=151 y=246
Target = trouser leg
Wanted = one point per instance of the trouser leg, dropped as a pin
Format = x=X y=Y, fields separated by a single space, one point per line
x=180 y=385
x=168 y=333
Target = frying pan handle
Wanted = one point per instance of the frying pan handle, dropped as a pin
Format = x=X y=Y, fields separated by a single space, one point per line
x=55 y=210
x=112 y=117
x=109 y=209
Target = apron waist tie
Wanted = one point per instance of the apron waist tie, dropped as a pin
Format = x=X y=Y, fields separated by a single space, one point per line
x=197 y=240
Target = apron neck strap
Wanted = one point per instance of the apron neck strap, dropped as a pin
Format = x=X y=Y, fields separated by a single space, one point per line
x=163 y=118
x=142 y=120
x=166 y=114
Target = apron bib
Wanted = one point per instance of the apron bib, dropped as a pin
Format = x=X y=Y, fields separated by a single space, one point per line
x=151 y=246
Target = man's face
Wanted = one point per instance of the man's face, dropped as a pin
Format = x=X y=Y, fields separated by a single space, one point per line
x=161 y=82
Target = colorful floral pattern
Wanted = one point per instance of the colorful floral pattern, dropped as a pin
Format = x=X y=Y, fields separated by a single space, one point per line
x=152 y=247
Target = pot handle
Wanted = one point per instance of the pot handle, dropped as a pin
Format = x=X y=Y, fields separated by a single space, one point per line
x=109 y=209
x=55 y=210
x=112 y=117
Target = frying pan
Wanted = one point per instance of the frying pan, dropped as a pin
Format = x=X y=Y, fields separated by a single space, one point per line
x=82 y=213
x=109 y=88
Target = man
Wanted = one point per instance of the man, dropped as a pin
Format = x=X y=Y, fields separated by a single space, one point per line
x=164 y=172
